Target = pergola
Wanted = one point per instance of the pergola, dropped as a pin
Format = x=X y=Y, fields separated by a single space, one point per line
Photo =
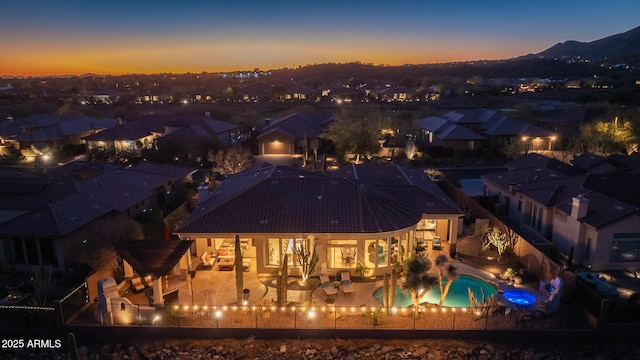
x=155 y=258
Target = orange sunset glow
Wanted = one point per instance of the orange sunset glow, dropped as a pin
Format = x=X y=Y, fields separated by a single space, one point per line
x=118 y=38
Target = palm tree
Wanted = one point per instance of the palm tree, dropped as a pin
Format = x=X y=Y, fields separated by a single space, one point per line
x=417 y=278
x=451 y=274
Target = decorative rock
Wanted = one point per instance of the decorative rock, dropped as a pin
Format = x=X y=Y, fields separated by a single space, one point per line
x=334 y=350
x=387 y=349
x=422 y=351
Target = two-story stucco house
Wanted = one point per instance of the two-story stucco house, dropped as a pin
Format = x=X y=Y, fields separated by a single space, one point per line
x=592 y=216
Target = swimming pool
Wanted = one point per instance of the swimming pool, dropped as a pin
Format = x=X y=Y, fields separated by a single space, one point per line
x=458 y=295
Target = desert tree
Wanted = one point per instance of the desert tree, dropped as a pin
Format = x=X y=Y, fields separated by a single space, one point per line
x=357 y=129
x=231 y=160
x=102 y=239
x=306 y=259
x=496 y=237
x=417 y=278
x=446 y=271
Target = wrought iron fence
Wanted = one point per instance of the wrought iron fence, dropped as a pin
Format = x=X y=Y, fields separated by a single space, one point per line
x=26 y=317
x=335 y=317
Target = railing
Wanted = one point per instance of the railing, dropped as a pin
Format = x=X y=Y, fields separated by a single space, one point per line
x=334 y=317
x=27 y=317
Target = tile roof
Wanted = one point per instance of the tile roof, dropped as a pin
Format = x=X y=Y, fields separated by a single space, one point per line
x=126 y=131
x=354 y=199
x=173 y=171
x=612 y=196
x=447 y=130
x=303 y=205
x=295 y=125
x=624 y=187
x=393 y=176
x=535 y=160
x=45 y=127
x=601 y=210
x=494 y=123
x=552 y=192
x=150 y=124
x=520 y=177
x=585 y=161
x=61 y=204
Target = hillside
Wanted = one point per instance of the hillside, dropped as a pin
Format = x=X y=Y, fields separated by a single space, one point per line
x=619 y=46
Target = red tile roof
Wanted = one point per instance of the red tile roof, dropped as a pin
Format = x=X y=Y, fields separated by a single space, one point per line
x=276 y=199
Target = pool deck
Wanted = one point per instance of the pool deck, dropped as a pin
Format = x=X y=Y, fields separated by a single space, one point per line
x=215 y=287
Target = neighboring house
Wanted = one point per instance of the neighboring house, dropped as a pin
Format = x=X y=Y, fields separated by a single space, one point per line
x=253 y=92
x=108 y=96
x=397 y=93
x=340 y=94
x=501 y=129
x=53 y=131
x=437 y=131
x=567 y=125
x=358 y=215
x=46 y=219
x=593 y=216
x=135 y=136
x=127 y=138
x=286 y=136
x=296 y=92
x=594 y=164
x=9 y=129
x=489 y=127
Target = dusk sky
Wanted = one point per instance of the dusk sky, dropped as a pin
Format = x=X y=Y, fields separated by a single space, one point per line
x=137 y=36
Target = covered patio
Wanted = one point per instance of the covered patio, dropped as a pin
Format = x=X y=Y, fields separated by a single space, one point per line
x=211 y=286
x=155 y=259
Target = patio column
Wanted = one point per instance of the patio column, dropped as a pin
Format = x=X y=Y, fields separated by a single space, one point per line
x=157 y=291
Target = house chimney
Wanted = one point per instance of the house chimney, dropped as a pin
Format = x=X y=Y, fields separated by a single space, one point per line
x=203 y=193
x=579 y=207
x=207 y=115
x=267 y=121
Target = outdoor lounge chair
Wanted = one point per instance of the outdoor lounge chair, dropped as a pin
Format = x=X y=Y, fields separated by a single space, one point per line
x=137 y=285
x=148 y=281
x=437 y=245
x=347 y=286
x=327 y=286
x=207 y=260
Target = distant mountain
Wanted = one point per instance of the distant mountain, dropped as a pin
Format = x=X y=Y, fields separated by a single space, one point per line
x=616 y=46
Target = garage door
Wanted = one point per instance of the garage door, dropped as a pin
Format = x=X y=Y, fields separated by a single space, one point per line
x=277 y=148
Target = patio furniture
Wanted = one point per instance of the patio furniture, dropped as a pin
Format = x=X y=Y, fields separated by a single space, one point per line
x=147 y=281
x=226 y=264
x=136 y=285
x=246 y=264
x=207 y=260
x=437 y=244
x=347 y=286
x=327 y=286
x=550 y=293
x=170 y=297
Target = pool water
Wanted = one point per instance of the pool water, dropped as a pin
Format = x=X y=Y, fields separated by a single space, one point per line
x=458 y=295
